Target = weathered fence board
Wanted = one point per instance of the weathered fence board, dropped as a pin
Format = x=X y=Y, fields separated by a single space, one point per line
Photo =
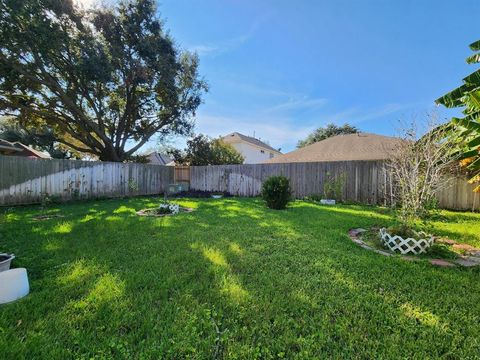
x=182 y=174
x=26 y=181
x=366 y=182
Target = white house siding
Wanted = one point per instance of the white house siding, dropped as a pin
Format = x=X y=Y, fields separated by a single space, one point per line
x=253 y=154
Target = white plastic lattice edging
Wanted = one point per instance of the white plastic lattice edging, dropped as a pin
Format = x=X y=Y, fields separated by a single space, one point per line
x=406 y=246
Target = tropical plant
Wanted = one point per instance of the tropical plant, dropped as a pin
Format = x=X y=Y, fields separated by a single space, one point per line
x=202 y=150
x=464 y=133
x=276 y=192
x=329 y=130
x=109 y=78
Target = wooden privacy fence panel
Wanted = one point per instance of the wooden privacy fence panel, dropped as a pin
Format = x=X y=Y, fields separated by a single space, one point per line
x=459 y=195
x=182 y=174
x=26 y=181
x=366 y=182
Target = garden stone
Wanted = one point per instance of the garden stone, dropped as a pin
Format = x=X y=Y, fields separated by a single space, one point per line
x=475 y=253
x=465 y=247
x=381 y=252
x=440 y=262
x=356 y=232
x=445 y=241
x=468 y=261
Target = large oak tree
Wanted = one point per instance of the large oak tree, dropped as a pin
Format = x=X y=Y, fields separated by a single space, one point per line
x=109 y=79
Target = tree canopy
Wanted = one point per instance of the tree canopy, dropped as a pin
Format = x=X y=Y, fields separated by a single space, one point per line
x=327 y=131
x=465 y=132
x=104 y=81
x=202 y=150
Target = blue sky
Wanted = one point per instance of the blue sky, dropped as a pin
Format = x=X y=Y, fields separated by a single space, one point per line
x=282 y=68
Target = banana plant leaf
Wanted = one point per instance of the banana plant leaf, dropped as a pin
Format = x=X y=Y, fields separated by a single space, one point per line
x=473 y=78
x=455 y=97
x=464 y=133
x=475 y=46
x=473 y=59
x=467 y=124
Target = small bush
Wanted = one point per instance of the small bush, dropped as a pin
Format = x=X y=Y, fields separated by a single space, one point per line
x=276 y=192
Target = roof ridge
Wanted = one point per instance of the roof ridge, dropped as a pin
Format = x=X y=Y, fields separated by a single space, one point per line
x=252 y=140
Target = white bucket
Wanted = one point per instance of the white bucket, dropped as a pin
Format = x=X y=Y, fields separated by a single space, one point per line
x=13 y=285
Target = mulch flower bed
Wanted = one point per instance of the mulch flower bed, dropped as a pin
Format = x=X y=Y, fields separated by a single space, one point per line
x=154 y=213
x=470 y=255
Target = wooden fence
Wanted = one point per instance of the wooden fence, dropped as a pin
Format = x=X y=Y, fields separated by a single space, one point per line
x=26 y=181
x=365 y=182
x=182 y=174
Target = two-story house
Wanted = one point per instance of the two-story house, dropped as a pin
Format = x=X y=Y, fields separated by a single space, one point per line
x=253 y=150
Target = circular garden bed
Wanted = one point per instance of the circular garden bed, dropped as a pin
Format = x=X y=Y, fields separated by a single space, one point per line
x=443 y=252
x=153 y=212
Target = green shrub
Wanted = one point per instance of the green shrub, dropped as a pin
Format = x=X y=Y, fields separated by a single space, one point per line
x=276 y=192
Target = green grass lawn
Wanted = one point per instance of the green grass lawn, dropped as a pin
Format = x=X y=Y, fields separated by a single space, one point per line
x=233 y=280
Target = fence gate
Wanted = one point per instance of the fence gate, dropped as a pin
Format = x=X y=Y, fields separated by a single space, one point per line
x=182 y=174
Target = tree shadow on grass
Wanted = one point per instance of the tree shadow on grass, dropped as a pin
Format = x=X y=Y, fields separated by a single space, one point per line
x=232 y=277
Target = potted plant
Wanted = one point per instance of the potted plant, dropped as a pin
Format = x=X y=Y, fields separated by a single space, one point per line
x=333 y=188
x=217 y=195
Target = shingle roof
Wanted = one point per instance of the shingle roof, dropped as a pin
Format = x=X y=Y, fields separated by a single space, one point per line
x=37 y=153
x=159 y=159
x=361 y=146
x=22 y=149
x=7 y=145
x=249 y=139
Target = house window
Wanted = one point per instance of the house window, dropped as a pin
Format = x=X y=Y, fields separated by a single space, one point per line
x=271 y=155
x=262 y=151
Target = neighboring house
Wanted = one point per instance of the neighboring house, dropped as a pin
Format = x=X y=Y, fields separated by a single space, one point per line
x=19 y=149
x=362 y=146
x=159 y=159
x=253 y=150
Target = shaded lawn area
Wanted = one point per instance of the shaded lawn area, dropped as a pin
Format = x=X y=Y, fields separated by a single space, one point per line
x=232 y=279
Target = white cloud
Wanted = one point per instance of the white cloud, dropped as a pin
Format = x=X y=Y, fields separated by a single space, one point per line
x=297 y=104
x=279 y=127
x=357 y=115
x=278 y=132
x=209 y=49
x=202 y=50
